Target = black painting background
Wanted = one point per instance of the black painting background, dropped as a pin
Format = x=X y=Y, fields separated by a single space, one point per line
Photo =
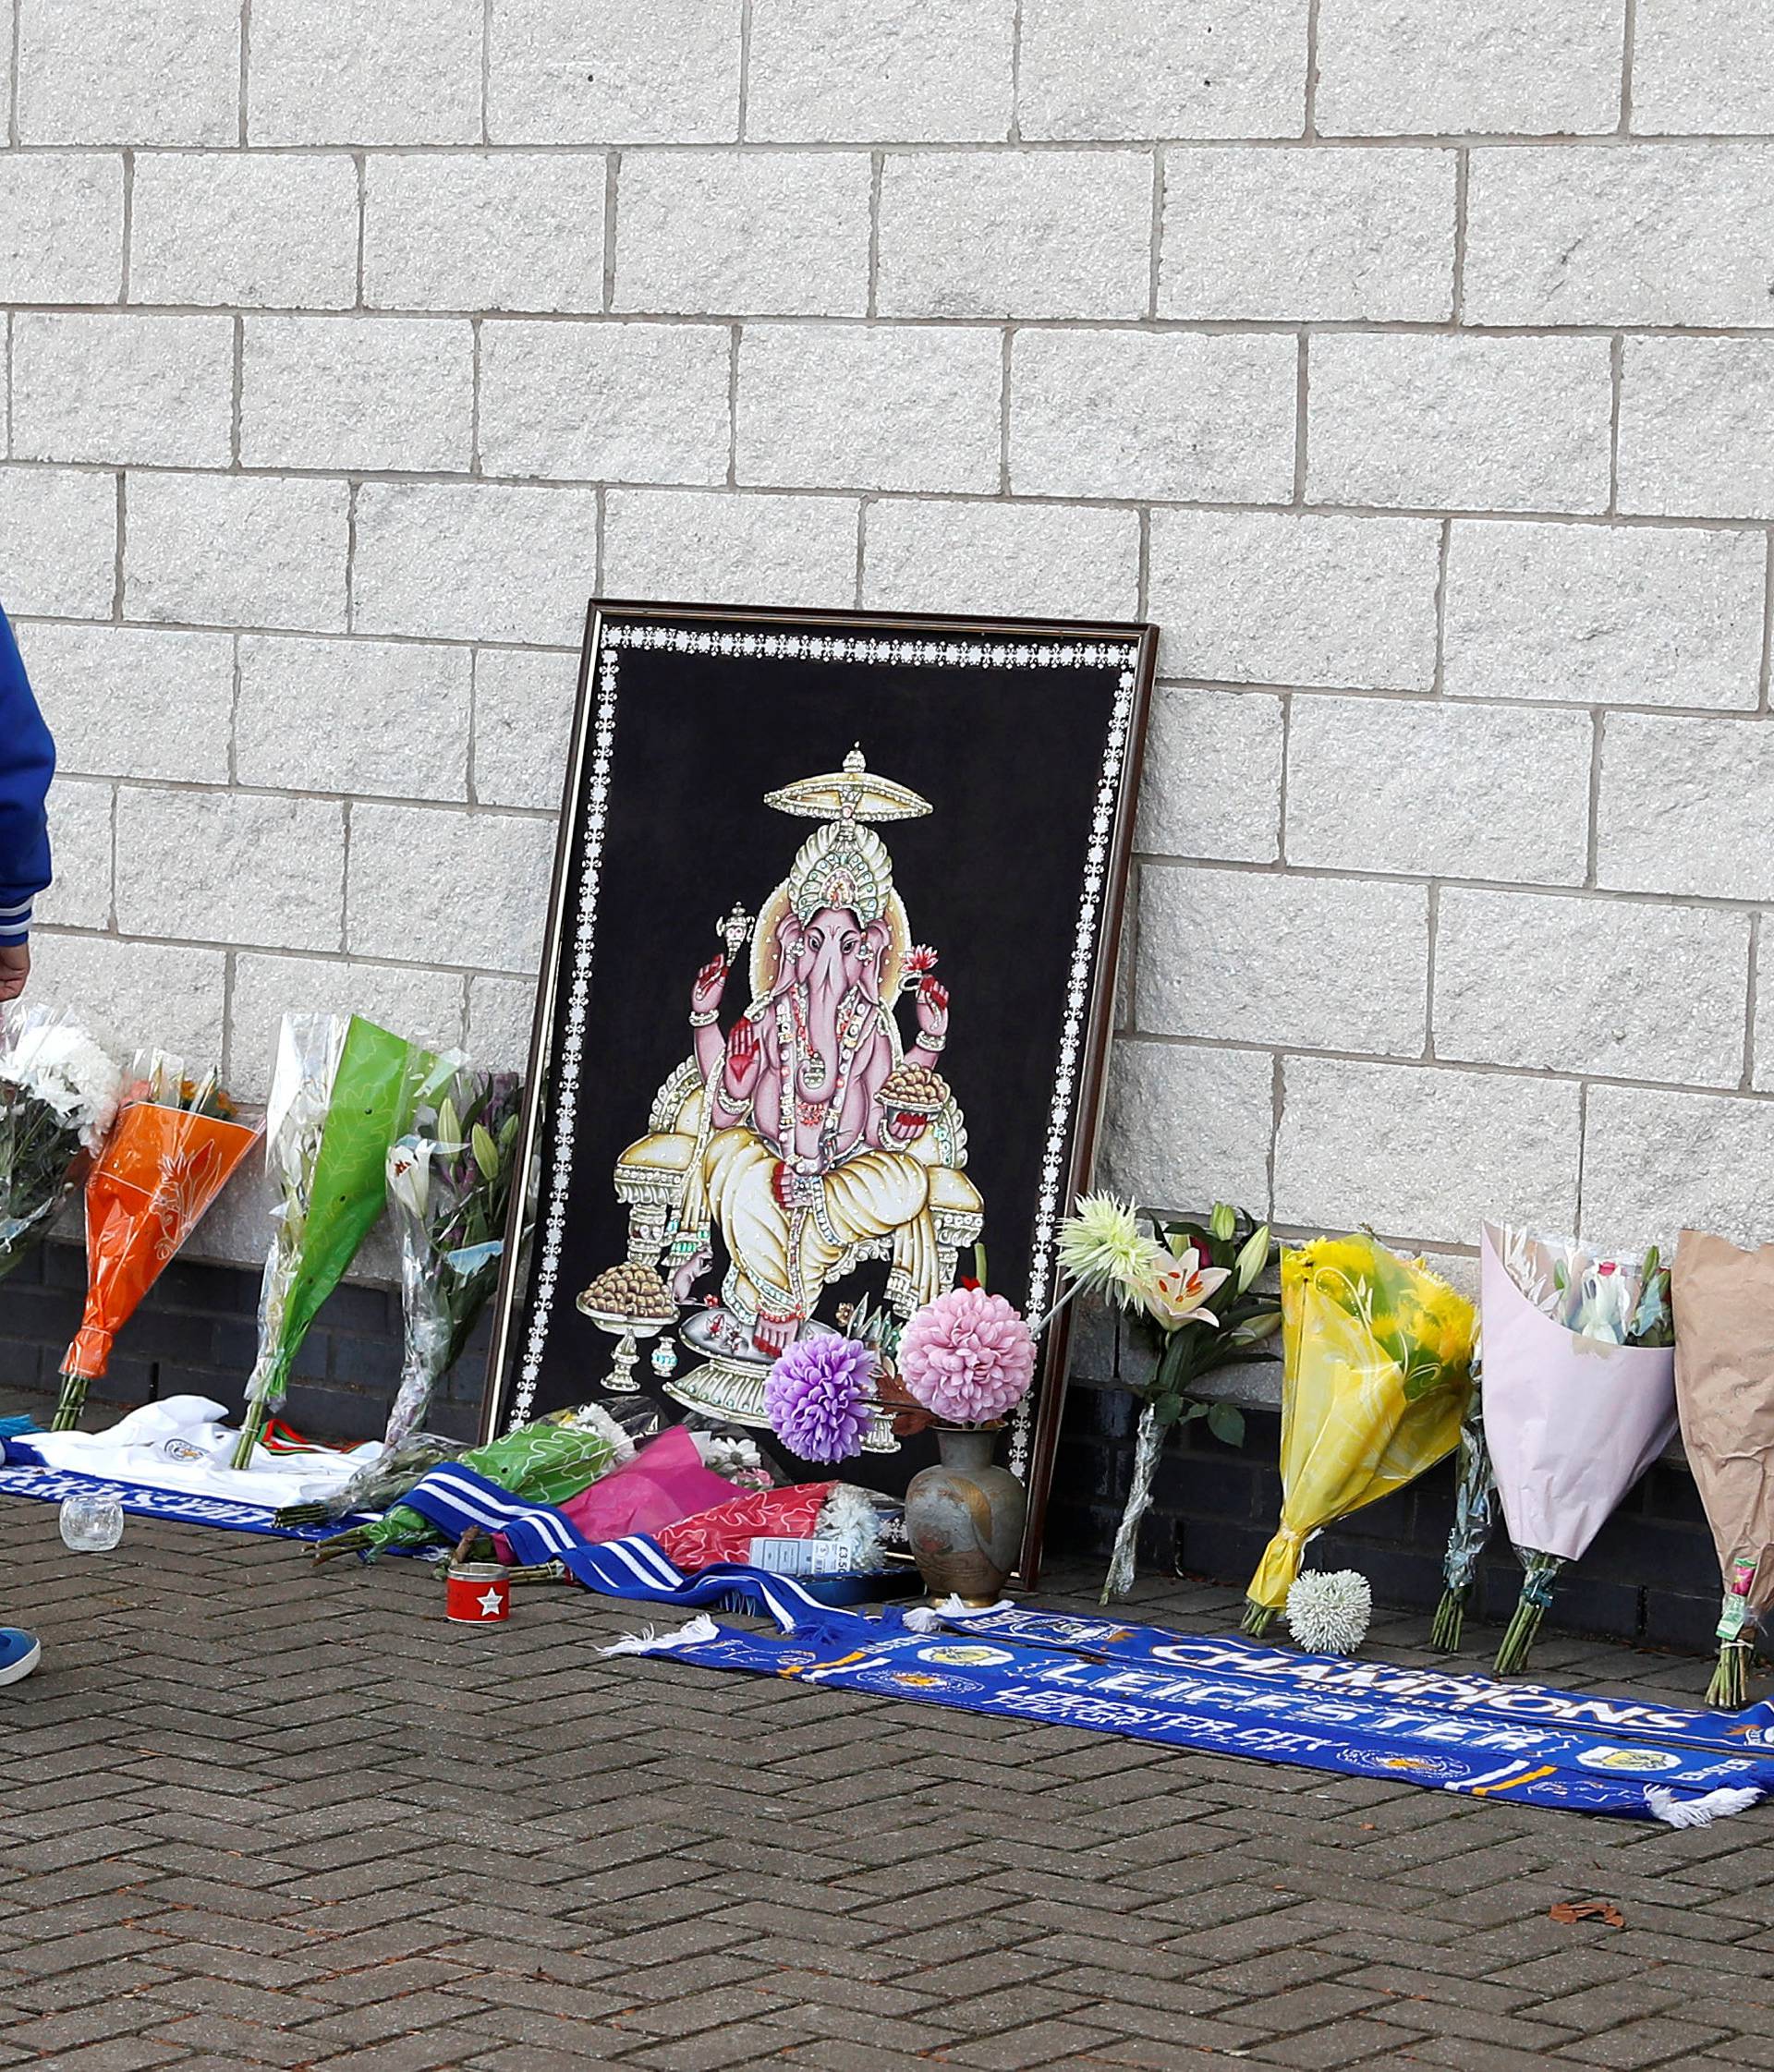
x=1010 y=759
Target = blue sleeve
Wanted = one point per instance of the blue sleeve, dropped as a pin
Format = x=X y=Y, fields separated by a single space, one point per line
x=27 y=764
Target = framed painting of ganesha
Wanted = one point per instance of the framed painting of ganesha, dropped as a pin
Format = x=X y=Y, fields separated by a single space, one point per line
x=824 y=1002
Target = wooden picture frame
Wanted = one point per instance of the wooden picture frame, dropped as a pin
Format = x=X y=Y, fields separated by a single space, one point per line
x=966 y=784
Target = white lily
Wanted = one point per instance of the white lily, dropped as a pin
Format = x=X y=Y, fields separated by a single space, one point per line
x=1174 y=1290
x=409 y=1175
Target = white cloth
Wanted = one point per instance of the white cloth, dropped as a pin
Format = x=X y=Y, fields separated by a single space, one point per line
x=181 y=1444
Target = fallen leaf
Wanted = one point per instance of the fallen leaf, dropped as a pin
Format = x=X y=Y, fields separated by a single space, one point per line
x=1603 y=1911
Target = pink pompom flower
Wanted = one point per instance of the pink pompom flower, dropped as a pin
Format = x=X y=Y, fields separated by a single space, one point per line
x=968 y=1357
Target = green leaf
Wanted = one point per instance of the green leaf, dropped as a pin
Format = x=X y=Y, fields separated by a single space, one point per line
x=1252 y=1259
x=1187 y=1237
x=486 y=1152
x=1223 y=1222
x=1226 y=1421
x=1166 y=1410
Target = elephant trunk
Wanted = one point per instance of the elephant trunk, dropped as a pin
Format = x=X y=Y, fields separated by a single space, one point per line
x=828 y=984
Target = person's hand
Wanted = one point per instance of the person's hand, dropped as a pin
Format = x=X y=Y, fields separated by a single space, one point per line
x=15 y=968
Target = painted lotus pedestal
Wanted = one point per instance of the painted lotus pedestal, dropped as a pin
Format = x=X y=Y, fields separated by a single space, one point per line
x=815 y=1133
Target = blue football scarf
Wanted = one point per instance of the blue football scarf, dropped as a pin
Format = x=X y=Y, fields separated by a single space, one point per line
x=459 y=1500
x=22 y=1477
x=1470 y=1735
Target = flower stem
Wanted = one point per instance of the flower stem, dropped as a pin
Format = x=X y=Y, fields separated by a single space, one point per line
x=252 y=1426
x=1257 y=1619
x=1046 y=1317
x=1518 y=1637
x=1729 y=1691
x=1148 y=1444
x=72 y=1402
x=1449 y=1625
x=1540 y=1571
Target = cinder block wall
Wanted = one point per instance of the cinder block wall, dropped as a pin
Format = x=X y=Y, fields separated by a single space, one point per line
x=1409 y=361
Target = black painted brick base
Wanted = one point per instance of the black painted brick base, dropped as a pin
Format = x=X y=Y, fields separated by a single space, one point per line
x=1651 y=1575
x=196 y=1335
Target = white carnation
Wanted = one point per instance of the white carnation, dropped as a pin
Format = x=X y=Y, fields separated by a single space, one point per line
x=849 y=1516
x=62 y=1066
x=1329 y=1614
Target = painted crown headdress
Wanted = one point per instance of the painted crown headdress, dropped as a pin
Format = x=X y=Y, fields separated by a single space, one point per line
x=844 y=863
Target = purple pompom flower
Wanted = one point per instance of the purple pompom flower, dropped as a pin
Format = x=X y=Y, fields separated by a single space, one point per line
x=817 y=1396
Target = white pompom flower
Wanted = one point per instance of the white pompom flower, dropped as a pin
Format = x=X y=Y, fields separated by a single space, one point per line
x=1328 y=1613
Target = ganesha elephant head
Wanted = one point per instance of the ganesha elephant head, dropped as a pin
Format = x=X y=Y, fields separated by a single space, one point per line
x=833 y=954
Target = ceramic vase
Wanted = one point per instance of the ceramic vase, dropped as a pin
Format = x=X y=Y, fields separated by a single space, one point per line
x=965 y=1519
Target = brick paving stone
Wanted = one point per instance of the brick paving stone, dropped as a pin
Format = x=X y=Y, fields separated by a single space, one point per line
x=247 y=2043
x=1188 y=1995
x=718 y=2008
x=77 y=1989
x=1570 y=1970
x=1463 y=2054
x=1400 y=1982
x=119 y=2053
x=1448 y=2019
x=1604 y=2006
x=522 y=2058
x=740 y=1966
x=1127 y=2018
x=999 y=2007
x=838 y=2055
x=1654 y=2041
x=872 y=1997
x=499 y=2028
x=957 y=1980
x=58 y=2032
x=544 y=1996
x=722 y=2050
x=1329 y=2045
x=897 y=2033
x=375 y=2021
x=1285 y=2013
x=430 y=2052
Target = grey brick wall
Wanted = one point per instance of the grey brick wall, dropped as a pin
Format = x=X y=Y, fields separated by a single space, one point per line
x=1410 y=362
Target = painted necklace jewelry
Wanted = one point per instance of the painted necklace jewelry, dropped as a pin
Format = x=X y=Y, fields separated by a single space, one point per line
x=813 y=1064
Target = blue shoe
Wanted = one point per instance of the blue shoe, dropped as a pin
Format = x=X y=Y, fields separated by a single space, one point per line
x=19 y=1654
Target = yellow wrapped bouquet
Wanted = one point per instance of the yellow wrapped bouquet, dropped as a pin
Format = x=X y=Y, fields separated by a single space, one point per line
x=1377 y=1373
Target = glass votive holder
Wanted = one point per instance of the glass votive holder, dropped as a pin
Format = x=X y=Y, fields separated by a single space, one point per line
x=93 y=1522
